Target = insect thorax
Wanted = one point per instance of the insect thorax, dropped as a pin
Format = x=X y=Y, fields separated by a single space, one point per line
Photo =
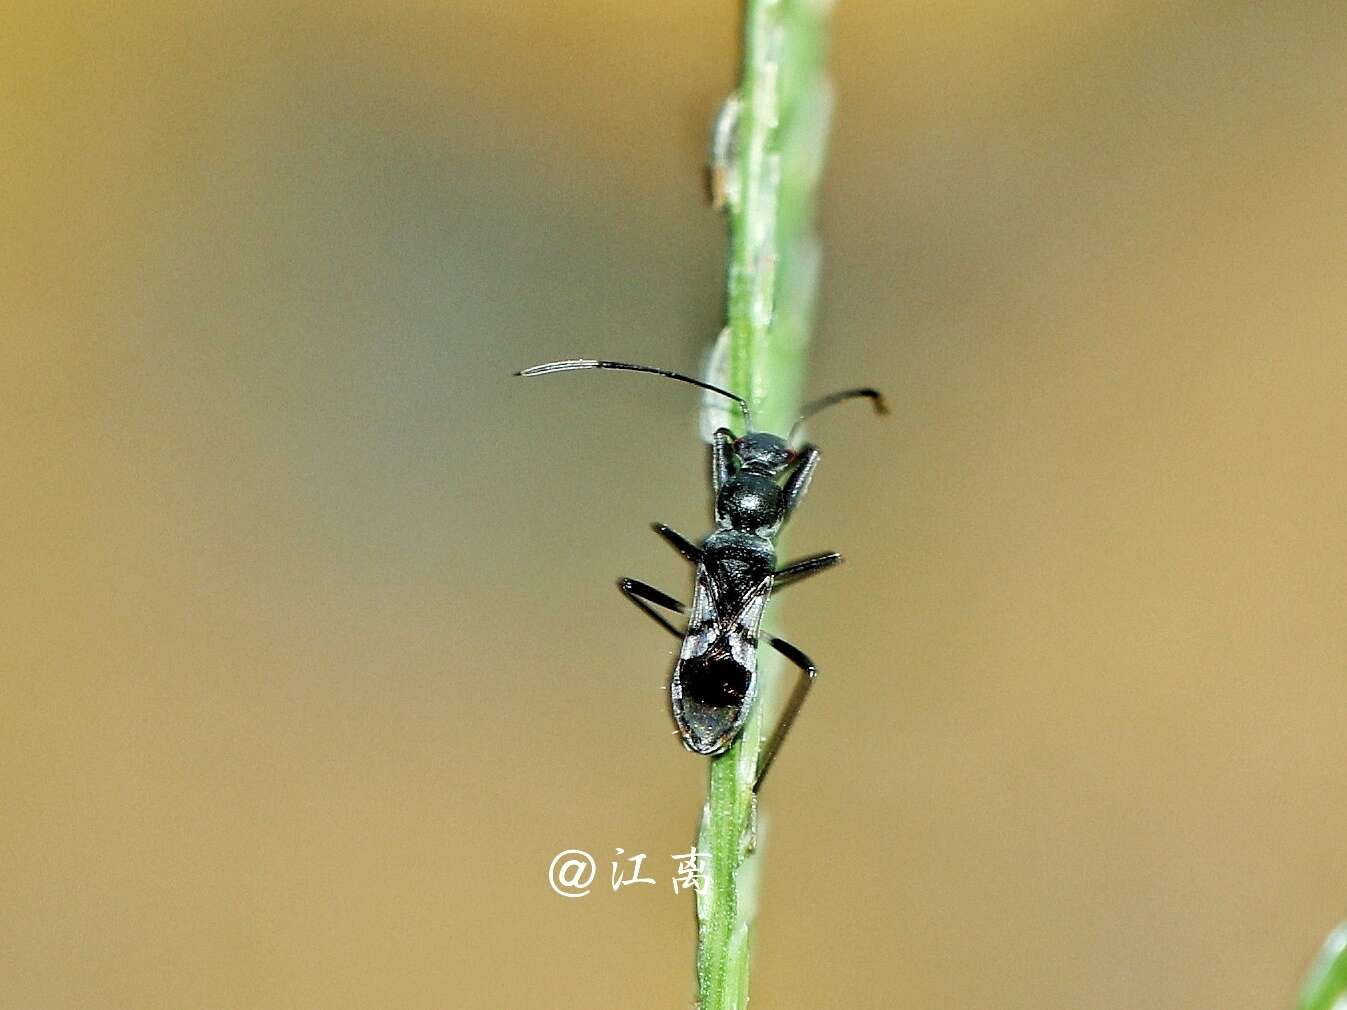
x=751 y=503
x=742 y=555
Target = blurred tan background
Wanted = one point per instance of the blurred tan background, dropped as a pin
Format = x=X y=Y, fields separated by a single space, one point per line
x=310 y=656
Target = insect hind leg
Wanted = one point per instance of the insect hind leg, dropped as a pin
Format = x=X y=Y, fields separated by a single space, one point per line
x=808 y=671
x=643 y=595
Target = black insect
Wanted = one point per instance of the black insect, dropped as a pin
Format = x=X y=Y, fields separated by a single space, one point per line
x=715 y=680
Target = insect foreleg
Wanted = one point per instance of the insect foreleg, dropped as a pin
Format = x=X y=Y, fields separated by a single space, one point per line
x=798 y=483
x=722 y=452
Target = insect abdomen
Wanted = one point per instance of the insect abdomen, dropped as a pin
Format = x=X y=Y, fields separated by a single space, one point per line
x=711 y=700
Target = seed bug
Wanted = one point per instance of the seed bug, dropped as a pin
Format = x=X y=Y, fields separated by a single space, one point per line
x=715 y=679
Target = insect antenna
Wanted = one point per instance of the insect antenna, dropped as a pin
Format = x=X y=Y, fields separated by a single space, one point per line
x=814 y=406
x=575 y=364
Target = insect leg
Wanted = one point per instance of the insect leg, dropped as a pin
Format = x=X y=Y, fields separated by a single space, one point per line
x=680 y=543
x=807 y=673
x=642 y=595
x=722 y=449
x=797 y=570
x=798 y=483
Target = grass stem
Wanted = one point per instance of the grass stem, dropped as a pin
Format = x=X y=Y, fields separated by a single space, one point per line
x=773 y=131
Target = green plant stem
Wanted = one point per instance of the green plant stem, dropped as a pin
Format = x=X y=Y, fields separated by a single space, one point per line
x=771 y=179
x=1325 y=985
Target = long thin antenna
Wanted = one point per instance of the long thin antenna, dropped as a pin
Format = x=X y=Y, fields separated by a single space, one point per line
x=575 y=364
x=814 y=406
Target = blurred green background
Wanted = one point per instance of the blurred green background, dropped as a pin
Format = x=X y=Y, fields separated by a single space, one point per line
x=310 y=655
